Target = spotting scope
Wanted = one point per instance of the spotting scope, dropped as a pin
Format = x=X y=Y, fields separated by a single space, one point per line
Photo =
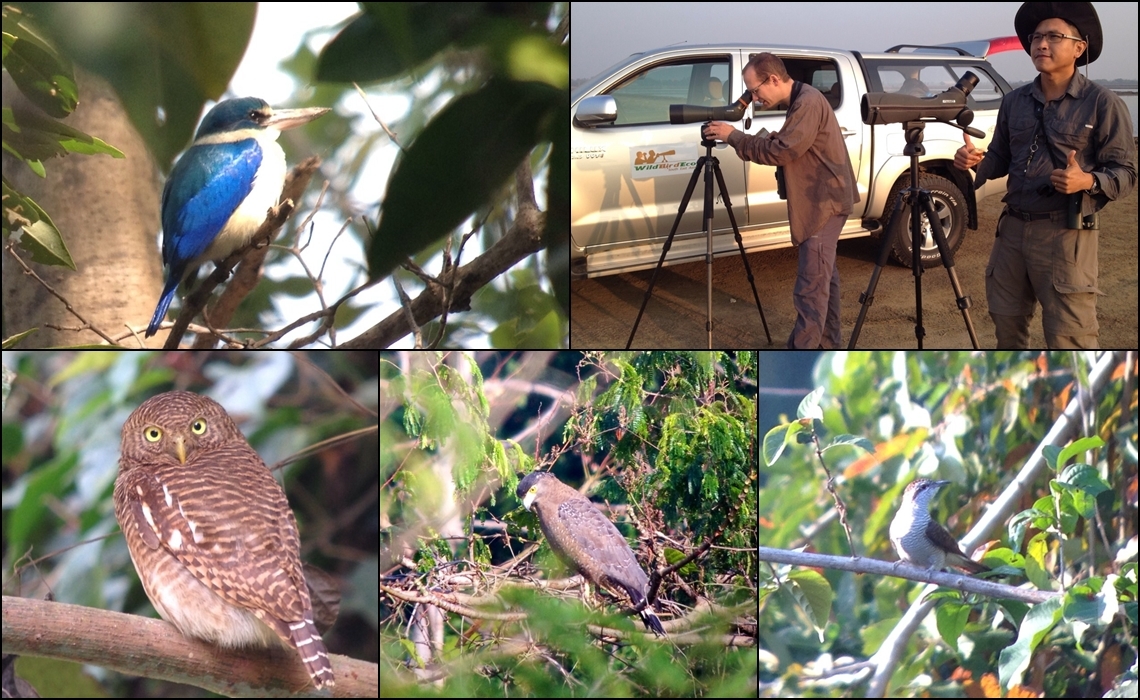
x=687 y=114
x=893 y=108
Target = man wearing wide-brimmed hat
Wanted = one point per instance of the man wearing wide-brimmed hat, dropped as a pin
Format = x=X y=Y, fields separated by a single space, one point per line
x=1066 y=144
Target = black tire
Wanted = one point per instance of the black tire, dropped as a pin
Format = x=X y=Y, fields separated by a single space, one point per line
x=950 y=205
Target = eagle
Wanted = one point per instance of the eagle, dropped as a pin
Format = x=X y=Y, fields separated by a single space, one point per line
x=587 y=541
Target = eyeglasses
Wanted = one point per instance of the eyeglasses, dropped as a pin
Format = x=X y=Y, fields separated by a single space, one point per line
x=756 y=90
x=1051 y=37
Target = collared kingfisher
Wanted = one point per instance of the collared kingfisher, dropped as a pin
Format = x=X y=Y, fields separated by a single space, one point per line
x=218 y=193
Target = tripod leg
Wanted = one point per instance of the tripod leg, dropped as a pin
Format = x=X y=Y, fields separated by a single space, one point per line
x=740 y=245
x=665 y=248
x=914 y=196
x=710 y=166
x=868 y=297
x=948 y=262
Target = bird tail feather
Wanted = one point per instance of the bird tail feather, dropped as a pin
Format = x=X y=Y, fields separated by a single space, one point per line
x=652 y=622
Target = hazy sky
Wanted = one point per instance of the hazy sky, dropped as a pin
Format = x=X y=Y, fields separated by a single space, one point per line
x=605 y=33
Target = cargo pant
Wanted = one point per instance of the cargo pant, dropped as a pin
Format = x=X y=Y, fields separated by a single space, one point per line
x=816 y=294
x=1042 y=261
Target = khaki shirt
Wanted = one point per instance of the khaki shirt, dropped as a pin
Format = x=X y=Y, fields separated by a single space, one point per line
x=817 y=170
x=1088 y=119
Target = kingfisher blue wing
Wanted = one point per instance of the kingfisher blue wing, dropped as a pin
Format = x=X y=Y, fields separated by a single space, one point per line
x=203 y=191
x=201 y=194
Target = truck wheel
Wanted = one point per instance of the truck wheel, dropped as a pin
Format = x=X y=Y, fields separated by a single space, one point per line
x=950 y=206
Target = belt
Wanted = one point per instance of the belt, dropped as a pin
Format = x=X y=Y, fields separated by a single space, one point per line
x=1031 y=215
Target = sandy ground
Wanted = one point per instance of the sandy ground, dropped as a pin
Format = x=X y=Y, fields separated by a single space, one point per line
x=604 y=309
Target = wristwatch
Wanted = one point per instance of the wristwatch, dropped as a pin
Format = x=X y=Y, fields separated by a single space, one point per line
x=1095 y=189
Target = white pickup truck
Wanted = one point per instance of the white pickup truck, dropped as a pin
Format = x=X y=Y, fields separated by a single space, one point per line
x=629 y=166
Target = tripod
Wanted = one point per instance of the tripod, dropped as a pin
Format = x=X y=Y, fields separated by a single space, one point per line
x=920 y=202
x=710 y=165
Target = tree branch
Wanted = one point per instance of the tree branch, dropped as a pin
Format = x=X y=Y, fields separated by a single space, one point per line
x=901 y=570
x=140 y=646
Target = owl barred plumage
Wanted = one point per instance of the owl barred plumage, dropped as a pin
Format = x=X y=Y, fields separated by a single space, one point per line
x=211 y=533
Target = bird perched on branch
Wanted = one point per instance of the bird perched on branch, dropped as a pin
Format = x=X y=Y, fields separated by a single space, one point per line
x=218 y=193
x=920 y=539
x=587 y=541
x=210 y=531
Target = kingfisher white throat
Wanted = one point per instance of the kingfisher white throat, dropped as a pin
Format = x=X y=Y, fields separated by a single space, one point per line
x=919 y=539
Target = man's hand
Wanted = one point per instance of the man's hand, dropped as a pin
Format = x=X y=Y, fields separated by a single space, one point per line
x=1072 y=178
x=967 y=156
x=718 y=130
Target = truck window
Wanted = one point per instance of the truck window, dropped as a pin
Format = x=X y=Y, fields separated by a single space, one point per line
x=930 y=79
x=644 y=97
x=914 y=80
x=821 y=75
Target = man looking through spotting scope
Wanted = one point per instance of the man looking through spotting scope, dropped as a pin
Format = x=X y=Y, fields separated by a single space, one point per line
x=1066 y=144
x=819 y=186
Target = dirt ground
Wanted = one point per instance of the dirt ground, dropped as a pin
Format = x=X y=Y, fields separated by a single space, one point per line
x=604 y=309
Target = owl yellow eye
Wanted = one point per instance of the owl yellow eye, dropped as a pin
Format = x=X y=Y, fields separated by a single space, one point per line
x=152 y=434
x=198 y=427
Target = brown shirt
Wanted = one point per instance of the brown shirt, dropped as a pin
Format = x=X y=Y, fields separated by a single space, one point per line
x=1088 y=118
x=817 y=170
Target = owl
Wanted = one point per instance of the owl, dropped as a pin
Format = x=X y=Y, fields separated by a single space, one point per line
x=211 y=533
